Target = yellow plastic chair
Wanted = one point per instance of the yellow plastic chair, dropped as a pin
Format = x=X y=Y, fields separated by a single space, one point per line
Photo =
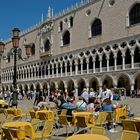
x=129 y=125
x=32 y=114
x=27 y=115
x=63 y=112
x=35 y=123
x=101 y=120
x=11 y=134
x=82 y=121
x=129 y=135
x=46 y=132
x=6 y=134
x=98 y=130
x=82 y=124
x=2 y=118
x=64 y=122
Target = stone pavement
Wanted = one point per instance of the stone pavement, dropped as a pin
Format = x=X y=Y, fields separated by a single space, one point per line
x=134 y=104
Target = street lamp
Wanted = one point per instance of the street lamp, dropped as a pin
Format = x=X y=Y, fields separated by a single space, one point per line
x=17 y=53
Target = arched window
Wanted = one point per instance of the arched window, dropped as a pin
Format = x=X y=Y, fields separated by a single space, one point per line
x=96 y=28
x=66 y=38
x=47 y=46
x=61 y=26
x=134 y=14
x=71 y=21
x=33 y=49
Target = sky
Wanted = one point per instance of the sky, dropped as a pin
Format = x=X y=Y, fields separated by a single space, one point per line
x=26 y=13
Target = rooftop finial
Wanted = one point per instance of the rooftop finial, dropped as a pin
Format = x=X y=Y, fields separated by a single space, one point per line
x=49 y=12
x=52 y=12
x=42 y=18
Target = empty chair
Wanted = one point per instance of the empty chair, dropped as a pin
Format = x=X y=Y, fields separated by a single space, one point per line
x=46 y=132
x=101 y=120
x=32 y=114
x=129 y=135
x=35 y=123
x=6 y=134
x=63 y=121
x=98 y=130
x=82 y=122
x=129 y=125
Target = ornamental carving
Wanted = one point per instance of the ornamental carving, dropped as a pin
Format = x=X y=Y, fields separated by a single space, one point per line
x=47 y=27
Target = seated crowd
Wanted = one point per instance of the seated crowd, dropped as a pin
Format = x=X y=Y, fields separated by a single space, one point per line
x=92 y=101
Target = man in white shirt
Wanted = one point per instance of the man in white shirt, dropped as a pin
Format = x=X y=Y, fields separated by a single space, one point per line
x=105 y=93
x=85 y=95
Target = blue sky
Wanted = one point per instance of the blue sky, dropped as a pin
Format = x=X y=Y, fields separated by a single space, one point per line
x=26 y=13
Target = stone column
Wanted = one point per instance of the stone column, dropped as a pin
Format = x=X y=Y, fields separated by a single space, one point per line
x=66 y=68
x=132 y=86
x=87 y=61
x=56 y=69
x=132 y=59
x=81 y=62
x=87 y=86
x=115 y=63
x=66 y=88
x=100 y=59
x=45 y=71
x=123 y=63
x=70 y=68
x=48 y=70
x=107 y=58
x=93 y=64
x=41 y=72
x=49 y=91
x=61 y=72
x=76 y=67
x=52 y=70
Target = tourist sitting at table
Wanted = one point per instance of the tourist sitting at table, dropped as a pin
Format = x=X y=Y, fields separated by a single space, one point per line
x=81 y=104
x=107 y=105
x=91 y=106
x=51 y=103
x=40 y=105
x=68 y=105
x=71 y=97
x=85 y=95
x=60 y=101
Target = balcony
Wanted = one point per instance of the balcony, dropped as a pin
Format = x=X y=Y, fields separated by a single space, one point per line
x=45 y=55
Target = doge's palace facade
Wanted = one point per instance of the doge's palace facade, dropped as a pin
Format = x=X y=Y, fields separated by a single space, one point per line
x=94 y=43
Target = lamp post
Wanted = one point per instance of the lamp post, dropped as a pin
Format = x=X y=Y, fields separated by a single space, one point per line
x=16 y=52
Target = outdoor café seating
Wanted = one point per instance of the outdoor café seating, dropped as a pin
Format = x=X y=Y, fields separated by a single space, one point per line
x=19 y=130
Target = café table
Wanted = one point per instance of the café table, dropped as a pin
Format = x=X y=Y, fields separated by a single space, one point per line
x=45 y=115
x=23 y=129
x=88 y=137
x=137 y=118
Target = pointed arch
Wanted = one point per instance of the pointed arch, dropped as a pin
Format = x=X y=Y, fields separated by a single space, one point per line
x=66 y=38
x=107 y=80
x=96 y=27
x=134 y=14
x=47 y=45
x=70 y=85
x=94 y=83
x=81 y=85
x=123 y=80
